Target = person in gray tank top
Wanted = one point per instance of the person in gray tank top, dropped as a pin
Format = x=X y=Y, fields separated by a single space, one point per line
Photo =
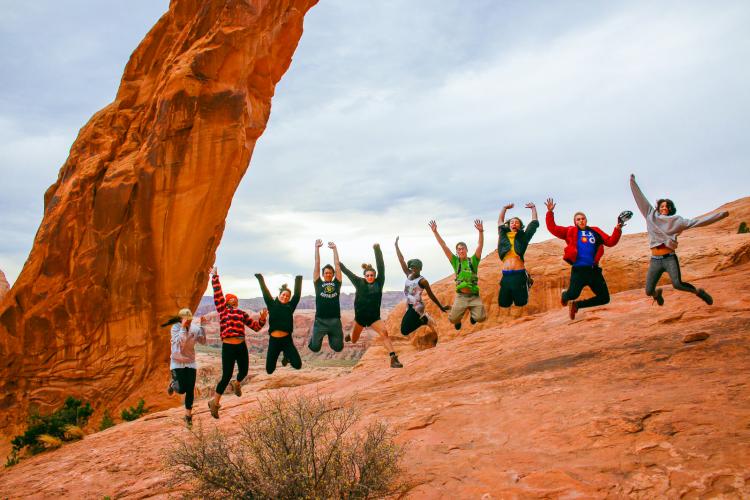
x=415 y=315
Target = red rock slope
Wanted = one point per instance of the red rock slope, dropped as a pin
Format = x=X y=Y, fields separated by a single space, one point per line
x=119 y=248
x=614 y=404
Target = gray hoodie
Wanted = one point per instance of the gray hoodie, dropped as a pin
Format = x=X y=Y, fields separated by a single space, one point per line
x=183 y=345
x=663 y=229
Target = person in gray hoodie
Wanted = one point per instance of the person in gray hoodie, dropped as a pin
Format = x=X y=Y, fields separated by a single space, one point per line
x=182 y=360
x=663 y=226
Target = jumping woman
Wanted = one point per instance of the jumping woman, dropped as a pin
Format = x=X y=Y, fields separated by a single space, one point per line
x=182 y=360
x=327 y=307
x=584 y=248
x=467 y=277
x=232 y=322
x=663 y=227
x=281 y=324
x=415 y=315
x=369 y=294
x=513 y=240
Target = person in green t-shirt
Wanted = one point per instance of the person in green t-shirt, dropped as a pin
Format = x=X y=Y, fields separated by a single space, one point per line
x=466 y=269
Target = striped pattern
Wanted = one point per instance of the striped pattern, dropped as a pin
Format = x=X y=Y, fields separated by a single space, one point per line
x=232 y=321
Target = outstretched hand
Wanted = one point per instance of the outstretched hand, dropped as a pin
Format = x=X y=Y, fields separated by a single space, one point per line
x=214 y=271
x=550 y=204
x=259 y=276
x=530 y=205
x=263 y=314
x=332 y=245
x=397 y=240
x=433 y=226
x=509 y=206
x=478 y=225
x=632 y=177
x=318 y=243
x=376 y=245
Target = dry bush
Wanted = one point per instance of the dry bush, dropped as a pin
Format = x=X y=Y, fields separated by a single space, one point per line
x=49 y=442
x=292 y=447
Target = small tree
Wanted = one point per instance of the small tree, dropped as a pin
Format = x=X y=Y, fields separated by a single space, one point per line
x=134 y=412
x=297 y=447
x=743 y=228
x=107 y=421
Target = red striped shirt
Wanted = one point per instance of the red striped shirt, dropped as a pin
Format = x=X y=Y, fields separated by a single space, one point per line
x=232 y=321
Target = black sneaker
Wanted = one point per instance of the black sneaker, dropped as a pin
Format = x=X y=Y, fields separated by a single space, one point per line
x=395 y=363
x=472 y=321
x=189 y=421
x=563 y=300
x=659 y=296
x=457 y=326
x=170 y=389
x=705 y=296
x=348 y=338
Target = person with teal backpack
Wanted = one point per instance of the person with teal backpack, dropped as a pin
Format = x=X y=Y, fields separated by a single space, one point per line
x=467 y=278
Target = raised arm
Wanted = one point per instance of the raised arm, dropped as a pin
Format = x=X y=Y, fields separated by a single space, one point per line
x=379 y=264
x=352 y=277
x=480 y=227
x=219 y=300
x=297 y=291
x=705 y=220
x=401 y=260
x=640 y=199
x=534 y=224
x=201 y=335
x=316 y=269
x=501 y=217
x=267 y=297
x=424 y=284
x=441 y=242
x=336 y=263
x=553 y=228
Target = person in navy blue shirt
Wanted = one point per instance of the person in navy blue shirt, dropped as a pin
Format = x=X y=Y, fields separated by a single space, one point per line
x=585 y=246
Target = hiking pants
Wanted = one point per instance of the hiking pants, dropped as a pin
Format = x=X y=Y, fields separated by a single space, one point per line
x=277 y=345
x=669 y=263
x=231 y=354
x=581 y=276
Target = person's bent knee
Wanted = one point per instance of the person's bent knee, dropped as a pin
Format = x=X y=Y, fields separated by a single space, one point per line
x=296 y=364
x=337 y=347
x=314 y=348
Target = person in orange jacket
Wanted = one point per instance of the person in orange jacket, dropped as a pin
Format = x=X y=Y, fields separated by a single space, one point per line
x=584 y=249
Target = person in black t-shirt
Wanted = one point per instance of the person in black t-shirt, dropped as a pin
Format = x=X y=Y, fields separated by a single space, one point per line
x=327 y=307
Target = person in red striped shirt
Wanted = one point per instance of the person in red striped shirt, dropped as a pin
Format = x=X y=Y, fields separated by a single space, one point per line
x=232 y=322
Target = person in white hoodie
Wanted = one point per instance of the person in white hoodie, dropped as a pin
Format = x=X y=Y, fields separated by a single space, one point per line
x=182 y=360
x=663 y=226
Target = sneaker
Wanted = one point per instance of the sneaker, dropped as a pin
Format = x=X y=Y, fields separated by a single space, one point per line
x=395 y=362
x=563 y=300
x=659 y=296
x=457 y=326
x=572 y=310
x=189 y=421
x=237 y=387
x=214 y=408
x=170 y=389
x=284 y=361
x=472 y=321
x=348 y=338
x=705 y=296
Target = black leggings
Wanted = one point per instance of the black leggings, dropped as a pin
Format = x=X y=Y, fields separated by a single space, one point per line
x=231 y=353
x=185 y=378
x=581 y=276
x=278 y=344
x=412 y=321
x=671 y=265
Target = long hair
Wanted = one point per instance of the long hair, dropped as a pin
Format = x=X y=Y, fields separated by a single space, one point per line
x=670 y=205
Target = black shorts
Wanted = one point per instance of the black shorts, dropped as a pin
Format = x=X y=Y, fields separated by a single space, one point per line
x=366 y=318
x=411 y=321
x=514 y=289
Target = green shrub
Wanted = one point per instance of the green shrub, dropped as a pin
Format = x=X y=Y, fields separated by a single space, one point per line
x=107 y=421
x=134 y=412
x=73 y=412
x=297 y=447
x=743 y=228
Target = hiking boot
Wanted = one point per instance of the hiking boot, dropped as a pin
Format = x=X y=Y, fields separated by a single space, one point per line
x=457 y=326
x=472 y=321
x=170 y=389
x=214 y=408
x=572 y=309
x=563 y=300
x=659 y=296
x=395 y=362
x=705 y=296
x=237 y=388
x=189 y=421
x=284 y=361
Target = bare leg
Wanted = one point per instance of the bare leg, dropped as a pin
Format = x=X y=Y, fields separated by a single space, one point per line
x=356 y=332
x=379 y=326
x=431 y=325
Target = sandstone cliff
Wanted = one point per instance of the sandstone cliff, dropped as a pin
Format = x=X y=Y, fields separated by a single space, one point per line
x=616 y=404
x=138 y=208
x=4 y=286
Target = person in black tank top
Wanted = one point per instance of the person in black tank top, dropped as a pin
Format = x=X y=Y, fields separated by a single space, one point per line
x=327 y=306
x=369 y=293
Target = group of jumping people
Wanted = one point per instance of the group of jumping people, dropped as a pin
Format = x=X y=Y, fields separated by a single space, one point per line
x=583 y=251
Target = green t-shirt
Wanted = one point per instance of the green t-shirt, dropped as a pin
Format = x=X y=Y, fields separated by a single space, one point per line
x=466 y=273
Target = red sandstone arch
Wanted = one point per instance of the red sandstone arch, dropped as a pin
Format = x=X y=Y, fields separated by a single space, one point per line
x=139 y=206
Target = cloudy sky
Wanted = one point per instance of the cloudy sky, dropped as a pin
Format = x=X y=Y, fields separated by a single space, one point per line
x=396 y=112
